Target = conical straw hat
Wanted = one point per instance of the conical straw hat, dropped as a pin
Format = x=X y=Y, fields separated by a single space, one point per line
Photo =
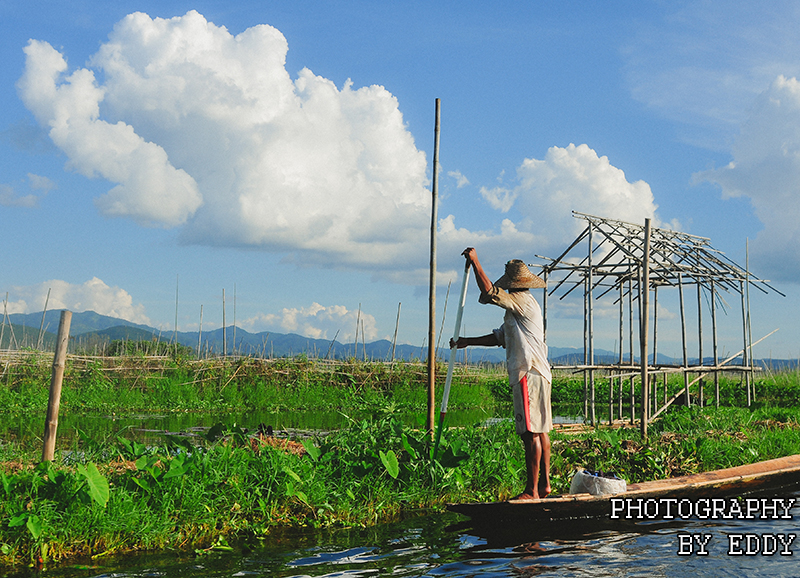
x=518 y=276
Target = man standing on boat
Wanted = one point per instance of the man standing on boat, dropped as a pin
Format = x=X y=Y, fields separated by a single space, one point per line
x=522 y=336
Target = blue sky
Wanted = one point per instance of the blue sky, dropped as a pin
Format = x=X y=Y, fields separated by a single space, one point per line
x=282 y=151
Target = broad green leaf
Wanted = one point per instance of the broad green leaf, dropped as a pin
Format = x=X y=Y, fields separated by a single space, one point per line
x=144 y=484
x=407 y=446
x=143 y=462
x=96 y=483
x=18 y=520
x=6 y=482
x=177 y=468
x=312 y=450
x=34 y=525
x=389 y=460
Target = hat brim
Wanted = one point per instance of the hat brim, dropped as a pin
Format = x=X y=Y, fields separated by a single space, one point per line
x=530 y=281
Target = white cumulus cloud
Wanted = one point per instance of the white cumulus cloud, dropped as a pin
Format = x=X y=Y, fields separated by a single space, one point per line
x=208 y=131
x=93 y=295
x=149 y=190
x=316 y=321
x=570 y=179
x=766 y=169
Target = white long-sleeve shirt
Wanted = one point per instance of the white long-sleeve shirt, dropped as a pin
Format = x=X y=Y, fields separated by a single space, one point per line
x=522 y=333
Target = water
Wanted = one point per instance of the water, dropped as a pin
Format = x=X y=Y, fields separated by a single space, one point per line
x=27 y=429
x=441 y=545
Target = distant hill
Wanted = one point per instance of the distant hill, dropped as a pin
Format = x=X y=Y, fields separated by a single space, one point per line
x=83 y=322
x=91 y=331
x=17 y=336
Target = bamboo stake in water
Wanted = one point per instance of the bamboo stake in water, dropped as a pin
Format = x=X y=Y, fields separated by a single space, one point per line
x=51 y=421
x=453 y=350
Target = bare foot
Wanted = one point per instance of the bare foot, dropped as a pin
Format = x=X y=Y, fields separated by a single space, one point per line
x=525 y=496
x=544 y=490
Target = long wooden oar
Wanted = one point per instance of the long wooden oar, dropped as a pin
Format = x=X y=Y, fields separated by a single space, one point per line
x=453 y=350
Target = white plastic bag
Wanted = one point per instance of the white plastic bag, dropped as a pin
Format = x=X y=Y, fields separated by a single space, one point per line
x=596 y=483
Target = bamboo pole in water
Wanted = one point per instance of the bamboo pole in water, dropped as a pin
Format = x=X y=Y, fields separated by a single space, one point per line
x=430 y=421
x=57 y=375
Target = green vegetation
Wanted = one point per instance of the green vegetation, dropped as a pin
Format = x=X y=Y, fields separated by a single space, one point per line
x=139 y=383
x=117 y=495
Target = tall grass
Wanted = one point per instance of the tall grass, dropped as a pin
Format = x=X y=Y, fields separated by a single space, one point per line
x=143 y=384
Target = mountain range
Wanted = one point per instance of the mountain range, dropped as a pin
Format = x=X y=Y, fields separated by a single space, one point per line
x=90 y=331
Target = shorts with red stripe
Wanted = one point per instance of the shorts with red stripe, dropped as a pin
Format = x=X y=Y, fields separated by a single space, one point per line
x=532 y=411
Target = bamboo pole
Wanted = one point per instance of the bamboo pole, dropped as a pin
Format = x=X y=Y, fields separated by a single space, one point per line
x=5 y=316
x=621 y=338
x=585 y=351
x=41 y=327
x=355 y=340
x=714 y=340
x=630 y=344
x=700 y=338
x=654 y=392
x=363 y=340
x=644 y=298
x=57 y=375
x=200 y=333
x=591 y=330
x=716 y=368
x=544 y=306
x=683 y=341
x=432 y=288
x=749 y=326
x=396 y=326
x=175 y=332
x=444 y=316
x=746 y=374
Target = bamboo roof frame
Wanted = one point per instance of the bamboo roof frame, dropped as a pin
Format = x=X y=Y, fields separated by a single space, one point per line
x=641 y=255
x=675 y=258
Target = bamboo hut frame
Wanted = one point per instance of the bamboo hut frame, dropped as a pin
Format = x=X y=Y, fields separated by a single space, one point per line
x=620 y=260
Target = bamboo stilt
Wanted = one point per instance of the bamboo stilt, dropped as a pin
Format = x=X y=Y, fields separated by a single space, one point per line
x=59 y=362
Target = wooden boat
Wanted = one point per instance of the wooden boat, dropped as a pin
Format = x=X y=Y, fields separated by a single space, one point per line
x=758 y=478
